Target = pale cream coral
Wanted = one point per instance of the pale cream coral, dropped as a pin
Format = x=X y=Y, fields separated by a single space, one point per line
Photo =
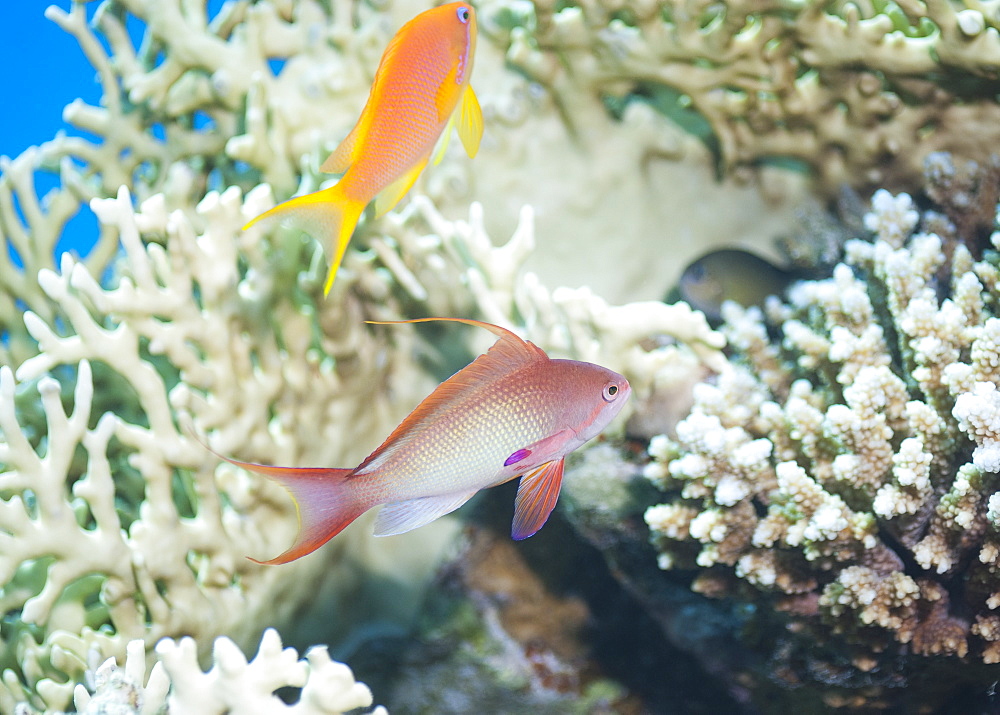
x=892 y=218
x=176 y=682
x=978 y=414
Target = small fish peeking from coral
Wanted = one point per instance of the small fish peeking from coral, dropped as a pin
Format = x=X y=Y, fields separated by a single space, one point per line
x=421 y=90
x=731 y=274
x=513 y=412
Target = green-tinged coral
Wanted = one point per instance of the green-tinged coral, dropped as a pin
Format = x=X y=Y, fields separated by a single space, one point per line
x=844 y=467
x=858 y=92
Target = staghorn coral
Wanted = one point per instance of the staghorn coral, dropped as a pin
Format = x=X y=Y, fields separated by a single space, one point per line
x=858 y=92
x=846 y=470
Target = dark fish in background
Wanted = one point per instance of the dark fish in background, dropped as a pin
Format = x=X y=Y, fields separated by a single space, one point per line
x=731 y=274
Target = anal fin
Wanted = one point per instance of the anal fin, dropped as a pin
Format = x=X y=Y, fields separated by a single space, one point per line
x=403 y=516
x=391 y=194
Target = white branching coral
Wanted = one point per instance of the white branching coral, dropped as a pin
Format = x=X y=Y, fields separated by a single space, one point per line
x=254 y=364
x=176 y=682
x=101 y=546
x=880 y=414
x=978 y=415
x=178 y=327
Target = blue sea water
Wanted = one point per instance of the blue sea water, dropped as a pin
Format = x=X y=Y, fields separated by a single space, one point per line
x=44 y=70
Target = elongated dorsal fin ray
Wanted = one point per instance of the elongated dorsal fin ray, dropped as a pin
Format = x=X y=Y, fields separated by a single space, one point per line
x=508 y=354
x=537 y=495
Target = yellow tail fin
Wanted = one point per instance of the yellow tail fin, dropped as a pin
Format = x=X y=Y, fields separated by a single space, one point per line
x=327 y=215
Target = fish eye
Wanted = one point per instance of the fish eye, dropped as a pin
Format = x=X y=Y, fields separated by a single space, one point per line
x=463 y=14
x=610 y=392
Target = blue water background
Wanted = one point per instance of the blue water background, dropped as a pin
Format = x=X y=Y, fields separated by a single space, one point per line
x=43 y=71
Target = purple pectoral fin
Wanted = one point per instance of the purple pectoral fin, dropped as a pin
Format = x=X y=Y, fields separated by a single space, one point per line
x=550 y=448
x=536 y=498
x=517 y=457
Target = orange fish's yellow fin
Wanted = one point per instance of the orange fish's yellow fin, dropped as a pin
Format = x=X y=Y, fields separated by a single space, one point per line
x=341 y=235
x=442 y=146
x=403 y=516
x=537 y=495
x=326 y=215
x=391 y=194
x=470 y=122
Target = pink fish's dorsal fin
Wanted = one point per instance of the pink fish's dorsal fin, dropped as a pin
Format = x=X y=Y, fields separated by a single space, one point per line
x=537 y=495
x=507 y=355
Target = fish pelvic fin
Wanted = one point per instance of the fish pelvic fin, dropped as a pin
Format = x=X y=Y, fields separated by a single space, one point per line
x=467 y=119
x=470 y=123
x=537 y=495
x=323 y=500
x=328 y=215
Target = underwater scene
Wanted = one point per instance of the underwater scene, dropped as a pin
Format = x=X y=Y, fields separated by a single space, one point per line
x=506 y=356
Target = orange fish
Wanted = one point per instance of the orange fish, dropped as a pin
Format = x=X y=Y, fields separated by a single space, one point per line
x=513 y=412
x=421 y=89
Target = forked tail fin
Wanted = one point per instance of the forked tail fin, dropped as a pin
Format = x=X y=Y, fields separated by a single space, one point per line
x=323 y=499
x=327 y=215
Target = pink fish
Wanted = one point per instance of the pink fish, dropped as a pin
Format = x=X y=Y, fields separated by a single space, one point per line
x=513 y=412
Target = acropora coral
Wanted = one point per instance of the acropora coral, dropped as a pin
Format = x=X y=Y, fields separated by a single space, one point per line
x=843 y=468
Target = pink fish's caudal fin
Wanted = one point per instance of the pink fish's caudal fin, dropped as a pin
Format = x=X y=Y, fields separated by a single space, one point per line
x=323 y=499
x=328 y=216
